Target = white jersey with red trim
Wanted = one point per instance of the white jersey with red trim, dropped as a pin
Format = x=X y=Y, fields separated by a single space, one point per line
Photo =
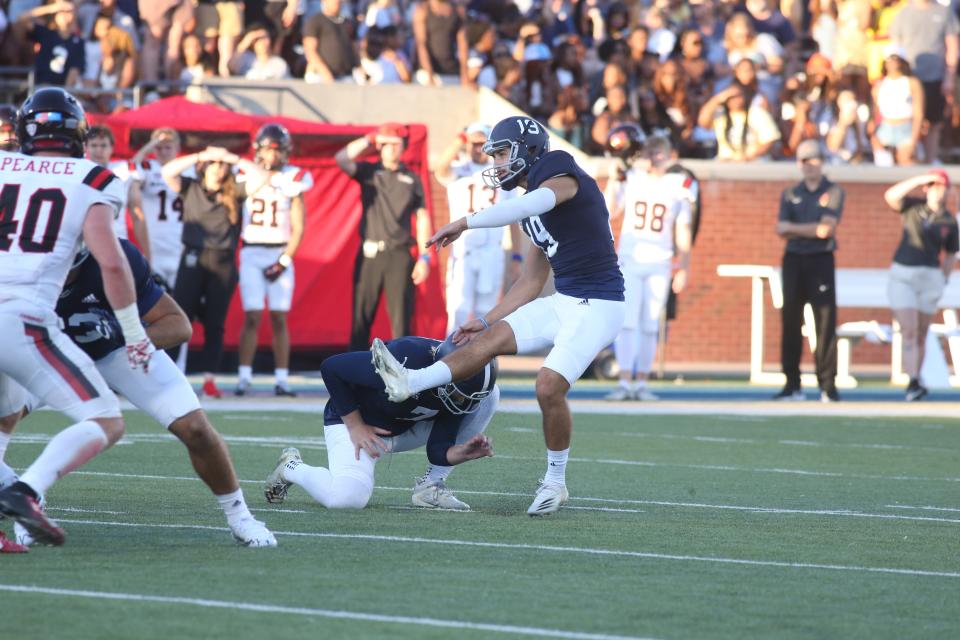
x=466 y=194
x=121 y=169
x=652 y=206
x=43 y=205
x=162 y=210
x=266 y=213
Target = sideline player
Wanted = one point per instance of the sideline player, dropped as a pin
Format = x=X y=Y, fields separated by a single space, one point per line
x=98 y=147
x=654 y=245
x=52 y=199
x=475 y=266
x=564 y=214
x=360 y=424
x=164 y=393
x=273 y=219
x=159 y=207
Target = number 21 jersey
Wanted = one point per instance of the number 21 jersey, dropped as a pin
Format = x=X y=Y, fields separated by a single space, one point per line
x=266 y=213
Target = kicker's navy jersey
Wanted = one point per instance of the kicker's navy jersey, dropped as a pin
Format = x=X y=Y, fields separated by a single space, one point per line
x=87 y=316
x=575 y=235
x=354 y=384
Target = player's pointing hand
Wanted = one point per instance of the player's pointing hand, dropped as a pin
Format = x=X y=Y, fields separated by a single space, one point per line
x=448 y=233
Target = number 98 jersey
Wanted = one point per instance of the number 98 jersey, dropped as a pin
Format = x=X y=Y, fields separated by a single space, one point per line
x=43 y=206
x=652 y=205
x=266 y=213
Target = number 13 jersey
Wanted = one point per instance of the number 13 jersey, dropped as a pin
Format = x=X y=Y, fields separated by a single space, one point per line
x=43 y=206
x=266 y=213
x=652 y=205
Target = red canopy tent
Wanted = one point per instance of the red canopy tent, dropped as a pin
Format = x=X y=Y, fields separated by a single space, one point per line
x=322 y=305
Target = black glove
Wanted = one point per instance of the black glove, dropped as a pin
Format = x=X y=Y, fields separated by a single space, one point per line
x=274 y=271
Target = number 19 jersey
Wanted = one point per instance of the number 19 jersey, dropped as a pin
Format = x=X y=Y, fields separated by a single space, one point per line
x=43 y=205
x=652 y=205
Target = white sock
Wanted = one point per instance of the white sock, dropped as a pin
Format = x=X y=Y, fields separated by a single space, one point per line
x=66 y=451
x=245 y=373
x=182 y=358
x=7 y=475
x=625 y=383
x=639 y=384
x=431 y=377
x=436 y=473
x=625 y=348
x=646 y=351
x=333 y=492
x=4 y=442
x=557 y=466
x=282 y=376
x=234 y=507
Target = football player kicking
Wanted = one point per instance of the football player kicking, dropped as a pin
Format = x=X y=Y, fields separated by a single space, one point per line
x=272 y=231
x=163 y=393
x=360 y=425
x=654 y=245
x=51 y=199
x=564 y=214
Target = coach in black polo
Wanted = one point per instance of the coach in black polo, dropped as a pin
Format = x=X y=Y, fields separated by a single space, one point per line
x=809 y=213
x=390 y=195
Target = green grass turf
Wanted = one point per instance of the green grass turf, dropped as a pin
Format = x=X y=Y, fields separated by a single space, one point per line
x=685 y=486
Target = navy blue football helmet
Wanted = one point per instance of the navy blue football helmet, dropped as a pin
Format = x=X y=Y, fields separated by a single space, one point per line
x=464 y=396
x=52 y=120
x=527 y=141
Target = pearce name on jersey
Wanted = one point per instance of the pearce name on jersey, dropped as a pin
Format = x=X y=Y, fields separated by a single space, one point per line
x=45 y=166
x=354 y=384
x=87 y=316
x=575 y=235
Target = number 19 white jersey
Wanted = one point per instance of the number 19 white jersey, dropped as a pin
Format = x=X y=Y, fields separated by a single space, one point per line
x=466 y=194
x=652 y=205
x=43 y=205
x=266 y=213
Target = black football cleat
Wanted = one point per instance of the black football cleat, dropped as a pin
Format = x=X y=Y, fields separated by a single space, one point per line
x=25 y=509
x=284 y=392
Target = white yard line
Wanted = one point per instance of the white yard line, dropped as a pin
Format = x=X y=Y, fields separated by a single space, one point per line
x=318 y=613
x=795 y=443
x=924 y=508
x=550 y=548
x=625 y=501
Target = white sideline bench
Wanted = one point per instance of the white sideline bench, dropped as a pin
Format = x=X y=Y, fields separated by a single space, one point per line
x=863 y=288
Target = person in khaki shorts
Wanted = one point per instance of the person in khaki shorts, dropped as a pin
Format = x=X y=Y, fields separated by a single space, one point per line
x=917 y=275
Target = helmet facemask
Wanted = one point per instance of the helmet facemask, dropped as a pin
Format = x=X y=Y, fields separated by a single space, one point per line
x=459 y=402
x=514 y=168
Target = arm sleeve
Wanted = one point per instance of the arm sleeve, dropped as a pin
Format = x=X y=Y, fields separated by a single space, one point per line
x=148 y=291
x=442 y=436
x=343 y=373
x=535 y=203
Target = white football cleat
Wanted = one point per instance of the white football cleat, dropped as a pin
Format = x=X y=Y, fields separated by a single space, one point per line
x=646 y=395
x=21 y=535
x=550 y=496
x=619 y=395
x=435 y=495
x=391 y=371
x=275 y=488
x=252 y=533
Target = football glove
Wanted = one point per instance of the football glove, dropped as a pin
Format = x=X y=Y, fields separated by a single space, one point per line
x=274 y=271
x=138 y=354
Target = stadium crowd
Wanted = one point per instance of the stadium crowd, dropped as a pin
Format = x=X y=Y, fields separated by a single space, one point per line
x=874 y=80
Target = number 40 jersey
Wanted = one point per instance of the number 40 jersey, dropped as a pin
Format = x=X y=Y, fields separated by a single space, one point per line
x=43 y=206
x=652 y=205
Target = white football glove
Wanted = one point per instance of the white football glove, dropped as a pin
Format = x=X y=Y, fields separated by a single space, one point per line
x=138 y=354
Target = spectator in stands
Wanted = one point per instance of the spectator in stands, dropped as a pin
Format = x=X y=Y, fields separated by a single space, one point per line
x=918 y=275
x=254 y=58
x=742 y=41
x=572 y=103
x=699 y=72
x=118 y=60
x=328 y=45
x=882 y=14
x=898 y=101
x=928 y=32
x=808 y=218
x=745 y=130
x=441 y=42
x=662 y=39
x=195 y=65
x=850 y=46
x=382 y=14
x=482 y=38
x=539 y=81
x=164 y=27
x=61 y=56
x=391 y=195
x=229 y=30
x=673 y=106
x=381 y=61
x=211 y=228
x=615 y=113
x=766 y=18
x=282 y=17
x=847 y=139
x=88 y=12
x=823 y=27
x=809 y=114
x=642 y=63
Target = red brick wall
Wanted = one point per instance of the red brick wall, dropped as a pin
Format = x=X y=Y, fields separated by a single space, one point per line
x=713 y=325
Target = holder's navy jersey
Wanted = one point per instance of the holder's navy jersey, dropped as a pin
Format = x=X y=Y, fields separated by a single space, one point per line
x=354 y=384
x=87 y=316
x=575 y=235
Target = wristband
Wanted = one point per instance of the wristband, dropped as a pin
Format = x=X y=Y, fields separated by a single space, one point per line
x=130 y=325
x=483 y=321
x=284 y=260
x=517 y=257
x=425 y=257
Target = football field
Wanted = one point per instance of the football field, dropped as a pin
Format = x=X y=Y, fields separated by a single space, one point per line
x=679 y=526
